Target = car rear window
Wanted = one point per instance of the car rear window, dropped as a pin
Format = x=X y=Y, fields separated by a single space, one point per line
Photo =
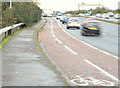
x=74 y=20
x=93 y=25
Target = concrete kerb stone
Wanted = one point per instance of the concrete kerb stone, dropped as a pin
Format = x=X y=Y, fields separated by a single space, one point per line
x=55 y=67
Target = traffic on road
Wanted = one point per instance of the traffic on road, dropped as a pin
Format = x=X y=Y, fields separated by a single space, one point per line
x=108 y=34
x=60 y=43
x=88 y=52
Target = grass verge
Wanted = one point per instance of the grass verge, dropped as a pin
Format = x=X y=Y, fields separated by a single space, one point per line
x=6 y=39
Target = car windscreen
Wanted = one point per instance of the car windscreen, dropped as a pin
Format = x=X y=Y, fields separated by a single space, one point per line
x=59 y=15
x=93 y=25
x=66 y=18
x=74 y=20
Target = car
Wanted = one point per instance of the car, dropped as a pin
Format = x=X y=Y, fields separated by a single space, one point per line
x=111 y=14
x=105 y=15
x=73 y=23
x=44 y=15
x=98 y=15
x=49 y=15
x=59 y=15
x=61 y=18
x=86 y=14
x=90 y=28
x=117 y=16
x=91 y=19
x=65 y=20
x=81 y=14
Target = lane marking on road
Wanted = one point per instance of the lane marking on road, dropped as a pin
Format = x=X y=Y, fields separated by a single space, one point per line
x=100 y=69
x=85 y=81
x=88 y=44
x=61 y=41
x=54 y=34
x=103 y=33
x=58 y=40
x=70 y=50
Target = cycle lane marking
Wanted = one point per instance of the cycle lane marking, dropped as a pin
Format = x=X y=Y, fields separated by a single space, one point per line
x=111 y=76
x=100 y=69
x=61 y=41
x=54 y=34
x=85 y=81
x=70 y=50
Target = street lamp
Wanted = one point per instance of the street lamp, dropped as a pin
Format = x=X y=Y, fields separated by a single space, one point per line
x=10 y=4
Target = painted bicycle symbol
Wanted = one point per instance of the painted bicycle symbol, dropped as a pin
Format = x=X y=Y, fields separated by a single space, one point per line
x=80 y=81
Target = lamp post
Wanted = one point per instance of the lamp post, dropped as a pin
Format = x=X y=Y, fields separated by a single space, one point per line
x=10 y=4
x=11 y=13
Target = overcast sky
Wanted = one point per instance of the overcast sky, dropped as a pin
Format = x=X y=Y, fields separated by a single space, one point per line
x=73 y=4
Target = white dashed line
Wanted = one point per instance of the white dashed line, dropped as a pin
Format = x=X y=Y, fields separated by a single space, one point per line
x=100 y=69
x=88 y=44
x=70 y=50
x=58 y=40
x=103 y=33
x=54 y=34
x=61 y=41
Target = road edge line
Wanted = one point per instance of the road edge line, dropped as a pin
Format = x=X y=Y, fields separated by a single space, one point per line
x=100 y=69
x=88 y=44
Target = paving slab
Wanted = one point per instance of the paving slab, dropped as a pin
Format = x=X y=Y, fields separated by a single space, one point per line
x=22 y=63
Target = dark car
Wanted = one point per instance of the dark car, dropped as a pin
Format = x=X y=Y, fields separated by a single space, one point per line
x=65 y=20
x=91 y=28
x=44 y=15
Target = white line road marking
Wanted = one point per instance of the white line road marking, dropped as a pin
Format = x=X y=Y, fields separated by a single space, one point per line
x=58 y=40
x=61 y=41
x=100 y=69
x=85 y=81
x=54 y=34
x=103 y=33
x=88 y=44
x=70 y=50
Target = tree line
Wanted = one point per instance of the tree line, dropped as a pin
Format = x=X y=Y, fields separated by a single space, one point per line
x=94 y=11
x=26 y=12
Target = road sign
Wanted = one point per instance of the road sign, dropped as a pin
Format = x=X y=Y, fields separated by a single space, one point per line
x=89 y=12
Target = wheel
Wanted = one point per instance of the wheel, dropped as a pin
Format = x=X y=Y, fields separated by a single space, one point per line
x=78 y=28
x=98 y=34
x=67 y=27
x=82 y=34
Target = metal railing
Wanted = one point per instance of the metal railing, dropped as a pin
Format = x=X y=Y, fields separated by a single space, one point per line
x=4 y=32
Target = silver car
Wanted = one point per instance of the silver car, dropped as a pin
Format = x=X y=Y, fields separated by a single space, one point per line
x=73 y=23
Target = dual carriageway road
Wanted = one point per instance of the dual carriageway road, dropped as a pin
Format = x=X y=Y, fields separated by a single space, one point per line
x=86 y=56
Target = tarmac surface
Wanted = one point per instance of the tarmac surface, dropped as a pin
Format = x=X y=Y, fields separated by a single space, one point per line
x=22 y=63
x=77 y=60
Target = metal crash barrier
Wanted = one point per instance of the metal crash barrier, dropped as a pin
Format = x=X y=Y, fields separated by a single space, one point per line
x=4 y=32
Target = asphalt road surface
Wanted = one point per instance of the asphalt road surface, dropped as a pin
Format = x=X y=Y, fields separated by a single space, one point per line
x=108 y=41
x=78 y=60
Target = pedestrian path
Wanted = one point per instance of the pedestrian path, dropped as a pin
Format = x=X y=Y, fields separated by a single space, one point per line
x=22 y=64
